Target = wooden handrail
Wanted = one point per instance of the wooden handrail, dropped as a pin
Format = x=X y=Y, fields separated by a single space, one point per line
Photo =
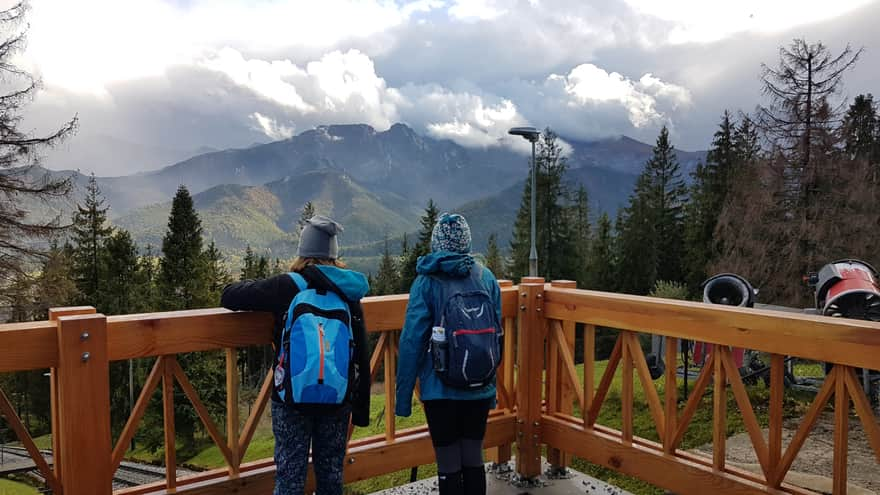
x=819 y=338
x=538 y=317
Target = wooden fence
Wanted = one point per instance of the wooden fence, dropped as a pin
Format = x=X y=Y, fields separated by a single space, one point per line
x=535 y=409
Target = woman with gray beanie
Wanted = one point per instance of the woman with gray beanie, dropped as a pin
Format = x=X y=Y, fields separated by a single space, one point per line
x=313 y=413
x=451 y=342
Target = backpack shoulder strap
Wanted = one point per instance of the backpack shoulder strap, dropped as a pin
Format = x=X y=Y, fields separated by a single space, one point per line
x=299 y=280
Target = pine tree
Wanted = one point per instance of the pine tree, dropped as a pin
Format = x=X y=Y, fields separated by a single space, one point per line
x=146 y=281
x=388 y=278
x=582 y=235
x=121 y=269
x=554 y=232
x=55 y=286
x=494 y=260
x=182 y=283
x=861 y=128
x=217 y=274
x=652 y=235
x=262 y=269
x=708 y=194
x=249 y=265
x=90 y=232
x=421 y=248
x=308 y=212
x=601 y=264
x=21 y=148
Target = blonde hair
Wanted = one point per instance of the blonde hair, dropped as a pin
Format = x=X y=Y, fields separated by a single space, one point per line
x=299 y=263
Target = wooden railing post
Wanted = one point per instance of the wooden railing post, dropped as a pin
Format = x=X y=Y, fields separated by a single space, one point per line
x=563 y=391
x=84 y=405
x=503 y=453
x=54 y=314
x=529 y=392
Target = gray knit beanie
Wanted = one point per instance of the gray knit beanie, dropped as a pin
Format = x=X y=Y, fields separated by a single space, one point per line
x=451 y=233
x=318 y=238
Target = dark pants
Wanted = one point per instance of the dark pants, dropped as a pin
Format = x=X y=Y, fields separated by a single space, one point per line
x=457 y=429
x=294 y=432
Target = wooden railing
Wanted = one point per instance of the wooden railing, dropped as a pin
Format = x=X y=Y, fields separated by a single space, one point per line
x=533 y=411
x=77 y=345
x=552 y=311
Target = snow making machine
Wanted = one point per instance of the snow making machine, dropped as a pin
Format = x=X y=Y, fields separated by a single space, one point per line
x=850 y=288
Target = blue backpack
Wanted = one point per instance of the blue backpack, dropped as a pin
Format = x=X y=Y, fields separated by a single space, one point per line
x=316 y=348
x=473 y=332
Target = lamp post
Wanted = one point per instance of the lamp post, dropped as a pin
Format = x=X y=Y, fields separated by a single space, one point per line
x=531 y=135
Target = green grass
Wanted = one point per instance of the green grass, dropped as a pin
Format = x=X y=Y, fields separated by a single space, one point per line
x=9 y=487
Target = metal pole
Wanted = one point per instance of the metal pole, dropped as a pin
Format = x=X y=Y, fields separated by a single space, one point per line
x=533 y=253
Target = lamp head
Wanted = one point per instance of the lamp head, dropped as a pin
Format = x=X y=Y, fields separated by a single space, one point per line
x=528 y=133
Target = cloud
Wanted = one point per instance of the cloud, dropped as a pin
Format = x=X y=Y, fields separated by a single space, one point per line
x=702 y=21
x=180 y=75
x=271 y=128
x=476 y=10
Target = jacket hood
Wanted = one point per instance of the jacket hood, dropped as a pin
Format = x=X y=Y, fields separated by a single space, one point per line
x=445 y=262
x=353 y=284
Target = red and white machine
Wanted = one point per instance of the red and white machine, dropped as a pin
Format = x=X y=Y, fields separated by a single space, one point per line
x=848 y=289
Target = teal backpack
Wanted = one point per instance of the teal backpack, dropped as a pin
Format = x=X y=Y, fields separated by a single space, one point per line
x=316 y=348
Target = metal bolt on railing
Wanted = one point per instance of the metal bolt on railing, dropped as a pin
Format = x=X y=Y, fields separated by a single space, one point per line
x=86 y=356
x=84 y=337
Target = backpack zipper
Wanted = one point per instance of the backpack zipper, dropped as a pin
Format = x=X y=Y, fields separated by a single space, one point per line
x=321 y=346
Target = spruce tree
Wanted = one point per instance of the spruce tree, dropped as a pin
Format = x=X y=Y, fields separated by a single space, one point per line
x=249 y=265
x=388 y=278
x=308 y=212
x=421 y=248
x=182 y=283
x=860 y=129
x=494 y=259
x=582 y=235
x=217 y=274
x=708 y=194
x=121 y=268
x=652 y=235
x=601 y=265
x=146 y=281
x=555 y=238
x=89 y=233
x=55 y=286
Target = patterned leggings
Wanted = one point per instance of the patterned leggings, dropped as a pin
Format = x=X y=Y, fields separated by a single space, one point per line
x=294 y=432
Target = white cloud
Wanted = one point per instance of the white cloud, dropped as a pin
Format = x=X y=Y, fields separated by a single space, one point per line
x=88 y=44
x=337 y=88
x=705 y=21
x=270 y=127
x=270 y=79
x=588 y=85
x=476 y=10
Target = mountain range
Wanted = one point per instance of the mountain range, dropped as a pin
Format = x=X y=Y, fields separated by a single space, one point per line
x=375 y=182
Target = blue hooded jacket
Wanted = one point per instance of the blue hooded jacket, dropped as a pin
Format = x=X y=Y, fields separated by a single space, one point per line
x=414 y=360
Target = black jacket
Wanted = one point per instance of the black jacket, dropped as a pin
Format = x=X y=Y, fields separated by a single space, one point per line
x=274 y=295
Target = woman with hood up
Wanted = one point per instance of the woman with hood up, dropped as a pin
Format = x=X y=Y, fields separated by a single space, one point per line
x=297 y=426
x=456 y=415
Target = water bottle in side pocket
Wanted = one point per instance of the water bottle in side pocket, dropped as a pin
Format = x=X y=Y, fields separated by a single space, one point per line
x=439 y=348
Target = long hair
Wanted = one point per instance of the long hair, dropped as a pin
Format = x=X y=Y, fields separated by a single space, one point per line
x=300 y=263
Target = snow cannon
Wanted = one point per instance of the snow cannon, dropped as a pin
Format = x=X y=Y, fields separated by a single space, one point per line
x=726 y=289
x=848 y=289
x=730 y=290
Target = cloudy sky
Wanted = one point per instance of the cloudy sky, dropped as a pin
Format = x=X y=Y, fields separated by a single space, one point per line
x=166 y=78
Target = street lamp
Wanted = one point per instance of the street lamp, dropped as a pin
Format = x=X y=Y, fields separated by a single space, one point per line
x=531 y=135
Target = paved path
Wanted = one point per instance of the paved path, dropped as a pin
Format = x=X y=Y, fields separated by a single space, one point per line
x=575 y=483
